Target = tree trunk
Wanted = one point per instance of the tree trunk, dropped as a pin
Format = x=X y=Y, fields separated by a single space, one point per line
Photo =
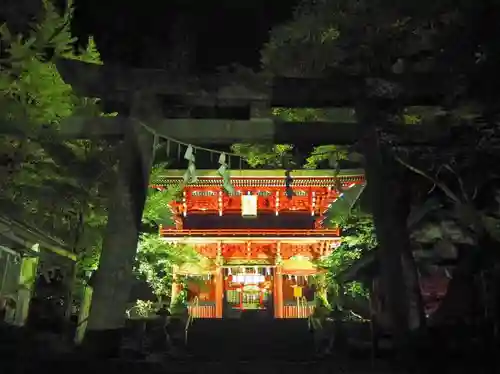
x=390 y=210
x=112 y=281
x=69 y=284
x=417 y=317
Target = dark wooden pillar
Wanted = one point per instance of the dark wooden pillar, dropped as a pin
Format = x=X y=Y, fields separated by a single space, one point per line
x=112 y=281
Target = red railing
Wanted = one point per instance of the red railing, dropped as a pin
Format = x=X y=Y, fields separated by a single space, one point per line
x=249 y=233
x=202 y=311
x=292 y=311
x=289 y=311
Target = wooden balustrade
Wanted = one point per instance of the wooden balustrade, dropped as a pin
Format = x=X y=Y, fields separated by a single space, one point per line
x=292 y=311
x=171 y=232
x=202 y=311
x=208 y=311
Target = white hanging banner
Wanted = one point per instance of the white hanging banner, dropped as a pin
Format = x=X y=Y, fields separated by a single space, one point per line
x=249 y=205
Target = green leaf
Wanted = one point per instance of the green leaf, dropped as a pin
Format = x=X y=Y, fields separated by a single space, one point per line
x=156 y=258
x=58 y=187
x=261 y=154
x=157 y=209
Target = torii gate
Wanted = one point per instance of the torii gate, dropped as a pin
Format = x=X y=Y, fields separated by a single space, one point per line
x=142 y=91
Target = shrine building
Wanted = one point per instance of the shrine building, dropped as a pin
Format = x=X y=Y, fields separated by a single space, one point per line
x=259 y=243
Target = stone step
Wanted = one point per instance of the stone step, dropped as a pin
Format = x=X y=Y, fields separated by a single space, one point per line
x=241 y=339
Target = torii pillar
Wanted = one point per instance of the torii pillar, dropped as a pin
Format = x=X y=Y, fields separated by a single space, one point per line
x=113 y=279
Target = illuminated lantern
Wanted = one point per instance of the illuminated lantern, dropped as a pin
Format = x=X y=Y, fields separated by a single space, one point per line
x=249 y=206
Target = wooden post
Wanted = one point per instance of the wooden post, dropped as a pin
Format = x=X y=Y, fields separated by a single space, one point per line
x=27 y=279
x=219 y=283
x=278 y=283
x=112 y=281
x=278 y=292
x=219 y=292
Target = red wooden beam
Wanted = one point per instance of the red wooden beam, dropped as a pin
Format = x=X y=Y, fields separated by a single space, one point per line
x=208 y=200
x=174 y=233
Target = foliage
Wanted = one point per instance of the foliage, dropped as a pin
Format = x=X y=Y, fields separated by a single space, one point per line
x=463 y=192
x=332 y=154
x=384 y=39
x=32 y=89
x=156 y=259
x=264 y=155
x=358 y=232
x=358 y=238
x=89 y=55
x=460 y=219
x=141 y=309
x=179 y=305
x=372 y=37
x=144 y=307
x=333 y=34
x=157 y=209
x=58 y=186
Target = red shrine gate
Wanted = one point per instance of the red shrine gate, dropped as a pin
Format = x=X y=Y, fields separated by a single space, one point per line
x=258 y=245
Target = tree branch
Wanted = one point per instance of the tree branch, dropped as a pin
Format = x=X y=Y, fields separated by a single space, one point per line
x=460 y=183
x=437 y=183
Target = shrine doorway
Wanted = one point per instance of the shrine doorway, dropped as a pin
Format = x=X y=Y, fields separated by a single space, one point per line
x=248 y=293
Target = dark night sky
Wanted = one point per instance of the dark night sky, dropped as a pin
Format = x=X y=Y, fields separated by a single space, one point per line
x=132 y=32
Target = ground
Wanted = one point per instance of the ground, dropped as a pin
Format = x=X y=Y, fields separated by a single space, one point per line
x=216 y=346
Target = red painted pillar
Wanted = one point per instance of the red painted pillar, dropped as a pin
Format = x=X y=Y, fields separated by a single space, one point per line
x=219 y=292
x=278 y=292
